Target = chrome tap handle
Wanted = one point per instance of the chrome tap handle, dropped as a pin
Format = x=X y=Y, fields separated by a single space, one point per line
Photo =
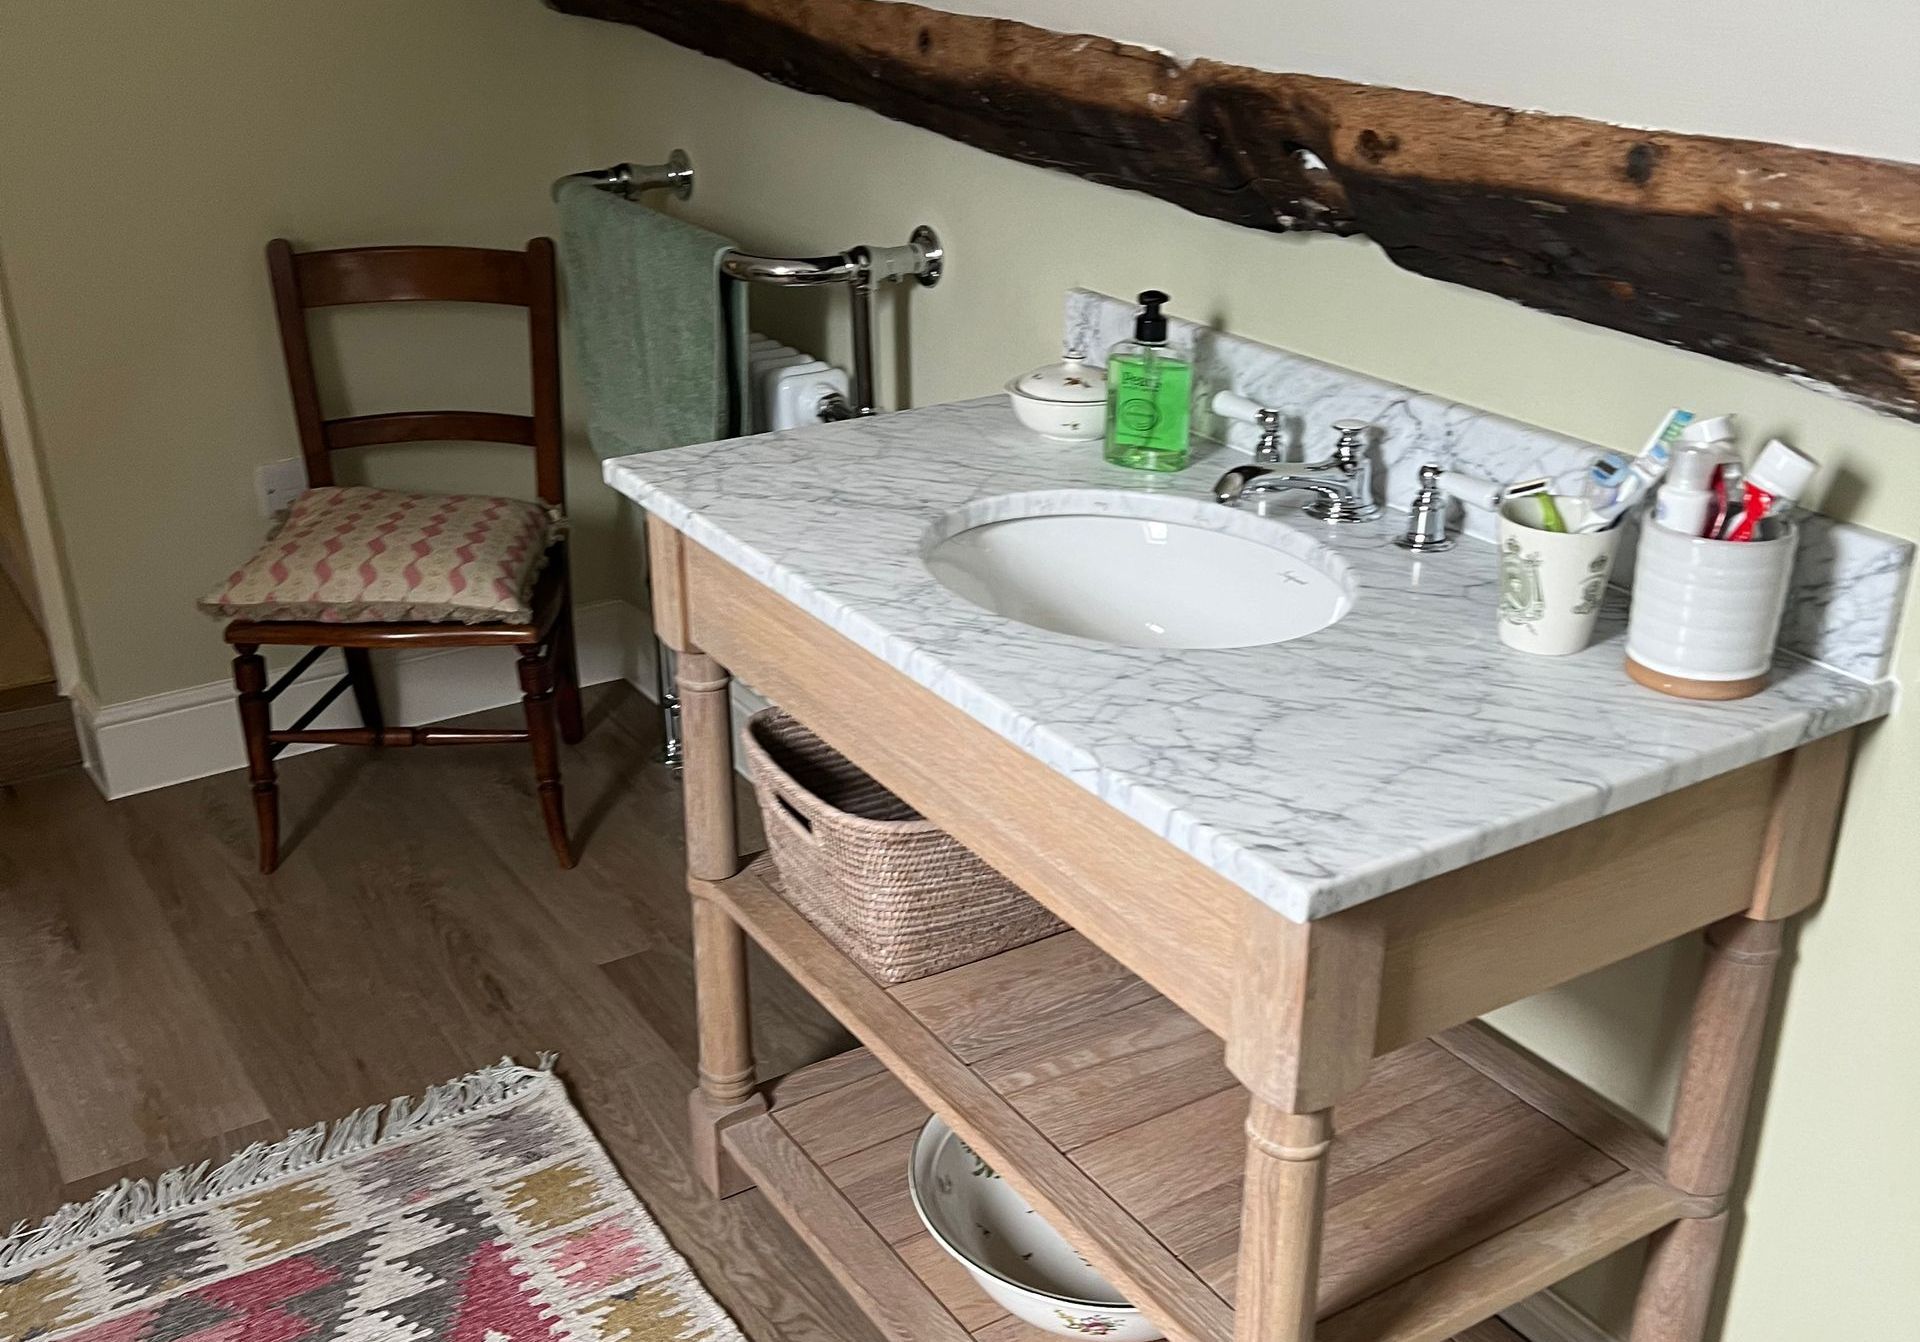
x=1229 y=404
x=1352 y=446
x=1268 y=448
x=1232 y=405
x=1350 y=452
x=1427 y=516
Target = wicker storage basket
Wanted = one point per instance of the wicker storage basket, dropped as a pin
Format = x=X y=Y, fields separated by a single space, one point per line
x=899 y=895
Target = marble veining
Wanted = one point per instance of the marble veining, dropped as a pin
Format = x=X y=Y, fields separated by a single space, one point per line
x=1848 y=582
x=1402 y=742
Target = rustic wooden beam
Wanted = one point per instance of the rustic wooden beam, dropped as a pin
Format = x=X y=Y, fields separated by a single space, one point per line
x=1797 y=261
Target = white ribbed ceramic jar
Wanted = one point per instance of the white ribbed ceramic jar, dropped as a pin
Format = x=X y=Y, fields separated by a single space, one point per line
x=1708 y=610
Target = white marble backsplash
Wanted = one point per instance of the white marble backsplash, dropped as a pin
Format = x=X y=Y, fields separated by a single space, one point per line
x=1848 y=584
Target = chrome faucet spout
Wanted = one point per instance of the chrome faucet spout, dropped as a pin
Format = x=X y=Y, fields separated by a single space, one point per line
x=1333 y=502
x=1229 y=487
x=1343 y=482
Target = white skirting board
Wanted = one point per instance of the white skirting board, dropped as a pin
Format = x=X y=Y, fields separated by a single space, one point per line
x=171 y=738
x=1546 y=1317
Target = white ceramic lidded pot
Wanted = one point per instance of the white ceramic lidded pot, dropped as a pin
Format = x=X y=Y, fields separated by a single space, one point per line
x=1065 y=401
x=1008 y=1249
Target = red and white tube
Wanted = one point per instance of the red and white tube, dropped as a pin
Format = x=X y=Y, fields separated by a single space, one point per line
x=1776 y=481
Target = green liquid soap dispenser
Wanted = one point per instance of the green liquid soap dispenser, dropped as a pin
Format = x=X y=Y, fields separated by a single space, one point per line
x=1149 y=395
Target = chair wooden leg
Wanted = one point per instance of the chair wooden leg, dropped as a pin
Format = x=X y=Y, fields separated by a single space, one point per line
x=366 y=694
x=573 y=723
x=256 y=724
x=536 y=687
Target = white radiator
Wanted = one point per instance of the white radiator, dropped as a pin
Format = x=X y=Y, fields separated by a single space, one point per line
x=785 y=387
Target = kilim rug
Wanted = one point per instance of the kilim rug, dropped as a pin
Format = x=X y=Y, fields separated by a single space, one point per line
x=483 y=1212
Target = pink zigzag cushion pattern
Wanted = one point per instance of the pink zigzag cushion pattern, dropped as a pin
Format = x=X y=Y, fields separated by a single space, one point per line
x=351 y=554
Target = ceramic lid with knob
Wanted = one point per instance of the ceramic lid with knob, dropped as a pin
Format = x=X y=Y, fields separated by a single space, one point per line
x=1072 y=381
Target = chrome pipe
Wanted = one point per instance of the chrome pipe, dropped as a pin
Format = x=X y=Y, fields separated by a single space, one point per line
x=921 y=258
x=790 y=271
x=630 y=179
x=860 y=296
x=667 y=689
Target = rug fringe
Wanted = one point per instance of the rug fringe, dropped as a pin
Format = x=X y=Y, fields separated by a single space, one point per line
x=132 y=1202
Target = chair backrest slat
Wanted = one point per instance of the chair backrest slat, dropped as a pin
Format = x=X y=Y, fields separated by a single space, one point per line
x=412 y=275
x=429 y=426
x=303 y=280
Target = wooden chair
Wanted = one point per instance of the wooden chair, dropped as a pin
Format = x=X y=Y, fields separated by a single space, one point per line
x=549 y=677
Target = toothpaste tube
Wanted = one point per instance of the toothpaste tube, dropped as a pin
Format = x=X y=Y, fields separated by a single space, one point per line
x=1775 y=483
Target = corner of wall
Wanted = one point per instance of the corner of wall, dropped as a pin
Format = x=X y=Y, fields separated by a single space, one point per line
x=20 y=462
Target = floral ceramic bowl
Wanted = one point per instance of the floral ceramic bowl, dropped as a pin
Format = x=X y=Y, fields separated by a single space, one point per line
x=1018 y=1259
x=1065 y=401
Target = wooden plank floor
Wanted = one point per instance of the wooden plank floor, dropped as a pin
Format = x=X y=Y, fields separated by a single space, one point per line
x=36 y=733
x=160 y=1002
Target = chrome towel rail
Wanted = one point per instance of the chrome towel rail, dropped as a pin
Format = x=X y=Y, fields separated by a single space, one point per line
x=630 y=179
x=861 y=269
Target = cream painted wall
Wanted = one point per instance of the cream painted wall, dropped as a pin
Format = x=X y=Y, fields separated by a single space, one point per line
x=146 y=334
x=147 y=152
x=1833 y=77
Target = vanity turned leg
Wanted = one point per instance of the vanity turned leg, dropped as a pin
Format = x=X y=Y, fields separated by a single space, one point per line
x=1676 y=1289
x=713 y=849
x=726 y=1094
x=1305 y=1005
x=1709 y=1119
x=1280 y=1223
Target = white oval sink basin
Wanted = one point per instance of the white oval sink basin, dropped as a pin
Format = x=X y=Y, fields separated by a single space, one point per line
x=1143 y=572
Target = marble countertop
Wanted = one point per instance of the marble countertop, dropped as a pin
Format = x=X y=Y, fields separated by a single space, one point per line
x=1402 y=742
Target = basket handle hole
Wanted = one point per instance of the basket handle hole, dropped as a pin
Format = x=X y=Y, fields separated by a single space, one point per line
x=800 y=823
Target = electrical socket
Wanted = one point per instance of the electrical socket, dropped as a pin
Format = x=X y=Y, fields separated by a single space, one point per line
x=278 y=483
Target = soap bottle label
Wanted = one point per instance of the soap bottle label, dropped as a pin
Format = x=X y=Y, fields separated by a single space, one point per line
x=1149 y=410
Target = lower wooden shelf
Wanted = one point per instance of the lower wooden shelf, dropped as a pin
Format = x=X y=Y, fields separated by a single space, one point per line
x=1465 y=1175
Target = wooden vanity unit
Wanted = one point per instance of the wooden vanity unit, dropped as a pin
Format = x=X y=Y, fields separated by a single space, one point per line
x=1258 y=1129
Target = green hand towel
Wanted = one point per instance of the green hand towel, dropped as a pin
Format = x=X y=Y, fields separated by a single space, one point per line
x=657 y=330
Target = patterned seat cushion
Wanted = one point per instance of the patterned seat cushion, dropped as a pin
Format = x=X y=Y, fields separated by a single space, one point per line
x=351 y=554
